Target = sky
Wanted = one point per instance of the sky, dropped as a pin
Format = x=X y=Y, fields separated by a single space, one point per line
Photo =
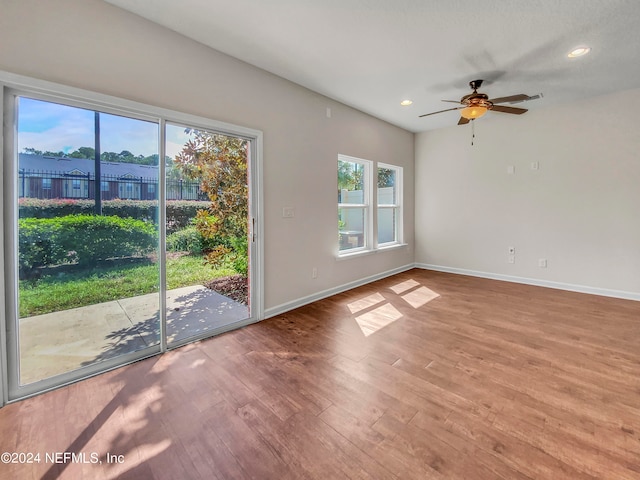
x=50 y=126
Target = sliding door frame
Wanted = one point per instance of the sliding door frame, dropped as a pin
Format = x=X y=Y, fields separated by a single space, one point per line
x=12 y=84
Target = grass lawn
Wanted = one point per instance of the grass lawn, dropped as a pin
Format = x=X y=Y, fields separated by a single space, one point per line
x=70 y=289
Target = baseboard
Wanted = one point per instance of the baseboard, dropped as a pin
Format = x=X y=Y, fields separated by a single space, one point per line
x=534 y=281
x=285 y=307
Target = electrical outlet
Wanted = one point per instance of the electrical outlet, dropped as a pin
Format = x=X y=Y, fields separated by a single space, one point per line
x=512 y=259
x=287 y=212
x=314 y=272
x=542 y=263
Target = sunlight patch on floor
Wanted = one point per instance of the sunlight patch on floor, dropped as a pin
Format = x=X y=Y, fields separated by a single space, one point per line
x=404 y=286
x=419 y=297
x=379 y=313
x=377 y=318
x=366 y=302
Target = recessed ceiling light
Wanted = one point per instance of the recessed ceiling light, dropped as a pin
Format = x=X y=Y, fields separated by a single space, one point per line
x=406 y=103
x=578 y=52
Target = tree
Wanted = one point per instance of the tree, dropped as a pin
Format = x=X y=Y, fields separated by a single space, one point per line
x=386 y=177
x=32 y=151
x=126 y=156
x=220 y=163
x=47 y=153
x=350 y=176
x=83 y=152
x=109 y=157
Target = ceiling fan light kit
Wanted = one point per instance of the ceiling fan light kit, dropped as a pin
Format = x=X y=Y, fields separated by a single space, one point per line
x=473 y=112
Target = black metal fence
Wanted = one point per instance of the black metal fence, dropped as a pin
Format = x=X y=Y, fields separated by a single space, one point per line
x=48 y=185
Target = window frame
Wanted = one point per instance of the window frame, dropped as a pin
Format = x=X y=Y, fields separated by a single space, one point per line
x=371 y=208
x=367 y=201
x=396 y=206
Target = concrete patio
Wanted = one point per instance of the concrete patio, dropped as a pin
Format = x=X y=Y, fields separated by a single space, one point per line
x=59 y=342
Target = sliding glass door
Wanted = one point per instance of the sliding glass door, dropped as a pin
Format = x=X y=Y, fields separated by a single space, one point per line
x=125 y=235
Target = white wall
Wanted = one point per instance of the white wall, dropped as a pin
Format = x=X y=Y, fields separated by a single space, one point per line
x=95 y=46
x=580 y=210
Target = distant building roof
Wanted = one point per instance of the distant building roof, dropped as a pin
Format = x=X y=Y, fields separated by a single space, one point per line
x=82 y=166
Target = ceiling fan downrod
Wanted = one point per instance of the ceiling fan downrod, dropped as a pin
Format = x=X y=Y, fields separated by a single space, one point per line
x=475 y=85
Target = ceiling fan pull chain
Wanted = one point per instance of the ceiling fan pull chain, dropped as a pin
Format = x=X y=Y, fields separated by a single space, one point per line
x=473 y=131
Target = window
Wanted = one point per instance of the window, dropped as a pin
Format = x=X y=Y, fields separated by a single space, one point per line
x=76 y=184
x=127 y=190
x=46 y=183
x=357 y=221
x=151 y=188
x=389 y=195
x=354 y=192
x=104 y=186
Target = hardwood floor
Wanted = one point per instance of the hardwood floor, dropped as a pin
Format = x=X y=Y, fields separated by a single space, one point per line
x=423 y=375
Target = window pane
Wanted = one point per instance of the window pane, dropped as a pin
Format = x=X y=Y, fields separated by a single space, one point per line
x=386 y=225
x=350 y=182
x=351 y=222
x=87 y=286
x=386 y=186
x=211 y=171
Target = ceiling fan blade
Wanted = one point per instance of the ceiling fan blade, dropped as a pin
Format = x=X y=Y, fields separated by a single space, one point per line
x=447 y=110
x=513 y=98
x=503 y=109
x=533 y=97
x=452 y=101
x=463 y=121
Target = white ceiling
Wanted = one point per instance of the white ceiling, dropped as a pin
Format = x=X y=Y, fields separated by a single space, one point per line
x=371 y=54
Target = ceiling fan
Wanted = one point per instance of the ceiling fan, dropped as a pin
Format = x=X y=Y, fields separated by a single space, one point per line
x=477 y=104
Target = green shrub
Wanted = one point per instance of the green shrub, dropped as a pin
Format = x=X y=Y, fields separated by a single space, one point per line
x=241 y=255
x=36 y=208
x=179 y=212
x=188 y=240
x=37 y=245
x=81 y=238
x=232 y=254
x=145 y=210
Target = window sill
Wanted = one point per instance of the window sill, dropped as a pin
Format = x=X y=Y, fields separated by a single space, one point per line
x=362 y=253
x=392 y=246
x=359 y=253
